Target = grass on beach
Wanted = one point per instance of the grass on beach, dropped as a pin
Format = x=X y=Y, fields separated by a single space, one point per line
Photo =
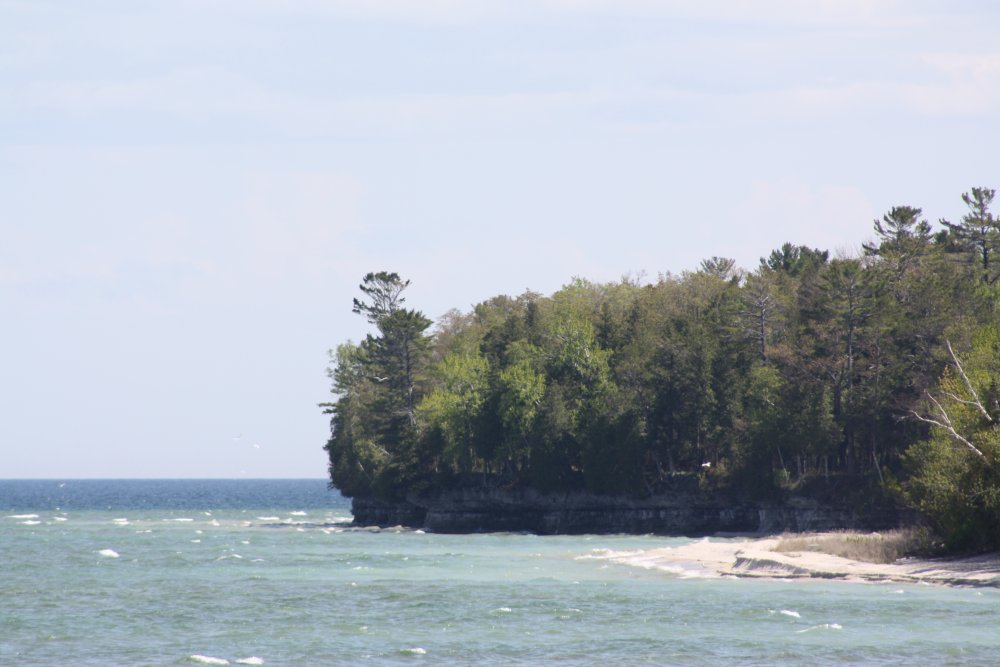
x=886 y=547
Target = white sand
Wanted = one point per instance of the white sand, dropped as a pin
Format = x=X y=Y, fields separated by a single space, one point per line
x=755 y=558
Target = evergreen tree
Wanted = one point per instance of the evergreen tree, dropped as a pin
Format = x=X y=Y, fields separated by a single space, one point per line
x=902 y=239
x=373 y=428
x=978 y=233
x=395 y=357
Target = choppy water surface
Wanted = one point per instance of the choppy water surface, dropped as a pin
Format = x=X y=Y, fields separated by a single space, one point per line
x=266 y=572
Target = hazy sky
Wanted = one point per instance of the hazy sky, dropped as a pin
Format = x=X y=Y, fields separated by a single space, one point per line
x=190 y=192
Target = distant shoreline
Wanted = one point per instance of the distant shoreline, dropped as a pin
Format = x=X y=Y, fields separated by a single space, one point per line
x=756 y=559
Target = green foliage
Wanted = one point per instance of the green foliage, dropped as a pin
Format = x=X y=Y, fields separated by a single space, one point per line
x=795 y=260
x=455 y=404
x=521 y=389
x=807 y=370
x=373 y=427
x=955 y=483
x=959 y=494
x=978 y=233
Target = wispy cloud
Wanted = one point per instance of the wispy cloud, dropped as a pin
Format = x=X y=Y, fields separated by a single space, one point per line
x=790 y=12
x=212 y=95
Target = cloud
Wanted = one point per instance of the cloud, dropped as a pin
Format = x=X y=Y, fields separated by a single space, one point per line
x=971 y=84
x=792 y=12
x=952 y=85
x=817 y=12
x=241 y=84
x=214 y=97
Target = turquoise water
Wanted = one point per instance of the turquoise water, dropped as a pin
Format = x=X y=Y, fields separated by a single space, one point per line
x=186 y=572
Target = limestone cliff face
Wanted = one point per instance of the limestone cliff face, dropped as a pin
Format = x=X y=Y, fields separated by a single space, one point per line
x=472 y=510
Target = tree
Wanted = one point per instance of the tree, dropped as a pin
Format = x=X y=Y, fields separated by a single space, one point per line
x=385 y=293
x=979 y=232
x=393 y=358
x=454 y=406
x=373 y=423
x=729 y=379
x=795 y=260
x=521 y=389
x=722 y=268
x=902 y=238
x=760 y=299
x=953 y=477
x=847 y=308
x=355 y=454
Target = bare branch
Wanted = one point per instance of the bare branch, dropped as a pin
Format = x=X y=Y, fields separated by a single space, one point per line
x=968 y=384
x=945 y=424
x=941 y=411
x=959 y=400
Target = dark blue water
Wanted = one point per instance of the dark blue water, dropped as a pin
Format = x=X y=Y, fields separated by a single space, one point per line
x=166 y=494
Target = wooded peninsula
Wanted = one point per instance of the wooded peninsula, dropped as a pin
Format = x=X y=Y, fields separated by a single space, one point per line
x=869 y=380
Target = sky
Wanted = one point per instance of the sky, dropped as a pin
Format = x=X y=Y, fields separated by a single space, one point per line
x=191 y=192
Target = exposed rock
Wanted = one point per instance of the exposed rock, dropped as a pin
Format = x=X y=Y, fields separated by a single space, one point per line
x=475 y=509
x=373 y=512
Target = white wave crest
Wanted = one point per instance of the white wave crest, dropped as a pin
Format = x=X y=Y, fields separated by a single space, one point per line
x=340 y=518
x=252 y=660
x=652 y=560
x=298 y=513
x=207 y=660
x=22 y=516
x=609 y=554
x=823 y=626
x=269 y=518
x=108 y=553
x=414 y=651
x=29 y=522
x=789 y=612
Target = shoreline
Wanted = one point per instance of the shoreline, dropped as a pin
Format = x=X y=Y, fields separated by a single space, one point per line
x=754 y=558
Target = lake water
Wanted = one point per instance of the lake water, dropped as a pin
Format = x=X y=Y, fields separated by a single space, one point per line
x=267 y=572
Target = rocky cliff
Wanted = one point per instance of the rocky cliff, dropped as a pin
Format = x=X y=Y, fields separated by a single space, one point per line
x=471 y=510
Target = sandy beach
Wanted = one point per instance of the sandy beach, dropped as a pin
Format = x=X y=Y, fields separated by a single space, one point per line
x=757 y=558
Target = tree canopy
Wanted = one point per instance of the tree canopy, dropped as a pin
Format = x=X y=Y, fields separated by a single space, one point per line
x=882 y=368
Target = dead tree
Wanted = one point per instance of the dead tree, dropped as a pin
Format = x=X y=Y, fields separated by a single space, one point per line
x=939 y=416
